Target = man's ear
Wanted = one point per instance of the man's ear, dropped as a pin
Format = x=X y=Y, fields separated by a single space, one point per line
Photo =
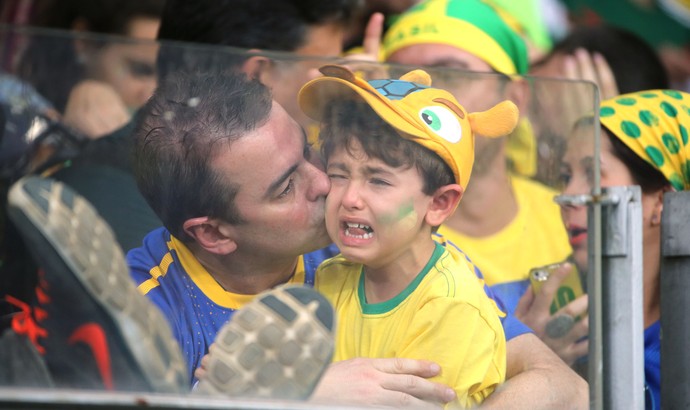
x=255 y=67
x=211 y=234
x=443 y=204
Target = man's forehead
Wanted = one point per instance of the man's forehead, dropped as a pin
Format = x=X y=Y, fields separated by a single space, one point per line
x=439 y=55
x=260 y=157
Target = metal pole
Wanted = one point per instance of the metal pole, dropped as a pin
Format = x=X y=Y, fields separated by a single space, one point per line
x=595 y=376
x=675 y=301
x=594 y=272
x=622 y=296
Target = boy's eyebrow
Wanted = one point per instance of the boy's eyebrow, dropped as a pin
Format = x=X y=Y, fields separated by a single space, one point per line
x=338 y=165
x=371 y=169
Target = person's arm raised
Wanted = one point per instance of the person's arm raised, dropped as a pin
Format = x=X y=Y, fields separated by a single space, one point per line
x=537 y=379
x=400 y=383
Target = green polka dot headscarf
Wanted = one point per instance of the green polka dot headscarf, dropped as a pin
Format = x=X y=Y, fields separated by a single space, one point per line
x=654 y=124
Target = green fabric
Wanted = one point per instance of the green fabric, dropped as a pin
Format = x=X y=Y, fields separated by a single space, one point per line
x=484 y=17
x=653 y=124
x=528 y=14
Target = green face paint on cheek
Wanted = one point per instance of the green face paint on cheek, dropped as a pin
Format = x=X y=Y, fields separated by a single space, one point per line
x=405 y=216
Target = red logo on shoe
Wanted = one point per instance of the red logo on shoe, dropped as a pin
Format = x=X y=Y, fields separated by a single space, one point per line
x=93 y=336
x=23 y=323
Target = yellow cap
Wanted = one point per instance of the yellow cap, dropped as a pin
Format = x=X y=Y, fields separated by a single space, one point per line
x=428 y=116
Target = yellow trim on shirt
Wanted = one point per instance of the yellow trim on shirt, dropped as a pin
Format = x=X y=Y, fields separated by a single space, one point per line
x=156 y=272
x=210 y=287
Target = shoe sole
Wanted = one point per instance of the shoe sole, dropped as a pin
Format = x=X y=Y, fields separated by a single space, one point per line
x=277 y=346
x=86 y=244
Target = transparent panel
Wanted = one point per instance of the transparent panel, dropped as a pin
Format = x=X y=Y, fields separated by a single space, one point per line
x=64 y=115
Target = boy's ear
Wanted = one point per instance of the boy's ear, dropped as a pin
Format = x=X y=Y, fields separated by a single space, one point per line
x=443 y=204
x=211 y=234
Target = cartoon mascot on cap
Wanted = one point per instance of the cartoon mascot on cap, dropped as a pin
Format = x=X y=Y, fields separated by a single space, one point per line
x=428 y=116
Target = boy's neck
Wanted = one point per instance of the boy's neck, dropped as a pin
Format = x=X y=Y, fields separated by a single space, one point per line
x=383 y=283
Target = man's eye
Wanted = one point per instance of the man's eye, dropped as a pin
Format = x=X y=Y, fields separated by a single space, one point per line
x=336 y=176
x=288 y=188
x=564 y=179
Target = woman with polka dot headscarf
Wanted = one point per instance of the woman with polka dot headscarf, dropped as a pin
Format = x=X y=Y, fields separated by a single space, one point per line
x=644 y=141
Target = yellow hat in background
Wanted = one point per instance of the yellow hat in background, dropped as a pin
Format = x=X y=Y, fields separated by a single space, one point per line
x=469 y=25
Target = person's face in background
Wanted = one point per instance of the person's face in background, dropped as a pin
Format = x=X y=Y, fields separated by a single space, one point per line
x=128 y=67
x=285 y=78
x=577 y=175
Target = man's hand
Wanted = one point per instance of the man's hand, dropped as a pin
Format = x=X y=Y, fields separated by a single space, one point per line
x=368 y=62
x=582 y=65
x=533 y=310
x=383 y=382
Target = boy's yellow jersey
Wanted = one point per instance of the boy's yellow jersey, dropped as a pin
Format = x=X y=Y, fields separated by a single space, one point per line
x=444 y=315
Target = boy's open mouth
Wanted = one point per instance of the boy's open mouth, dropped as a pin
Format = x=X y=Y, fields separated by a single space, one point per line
x=357 y=230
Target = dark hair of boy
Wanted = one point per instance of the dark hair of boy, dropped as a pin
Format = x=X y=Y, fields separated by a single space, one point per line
x=346 y=121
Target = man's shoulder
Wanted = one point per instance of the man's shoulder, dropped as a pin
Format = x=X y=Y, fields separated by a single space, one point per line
x=152 y=251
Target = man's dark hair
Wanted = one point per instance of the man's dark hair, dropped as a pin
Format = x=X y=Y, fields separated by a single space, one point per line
x=190 y=118
x=346 y=121
x=275 y=25
x=635 y=64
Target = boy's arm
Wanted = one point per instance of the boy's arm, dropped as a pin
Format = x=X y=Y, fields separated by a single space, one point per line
x=537 y=379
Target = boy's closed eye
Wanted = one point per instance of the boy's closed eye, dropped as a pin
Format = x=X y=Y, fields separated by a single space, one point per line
x=380 y=182
x=335 y=175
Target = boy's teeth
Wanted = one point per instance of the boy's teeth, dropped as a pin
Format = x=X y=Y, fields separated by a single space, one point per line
x=366 y=230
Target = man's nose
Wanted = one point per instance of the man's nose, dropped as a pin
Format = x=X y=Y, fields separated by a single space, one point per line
x=319 y=184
